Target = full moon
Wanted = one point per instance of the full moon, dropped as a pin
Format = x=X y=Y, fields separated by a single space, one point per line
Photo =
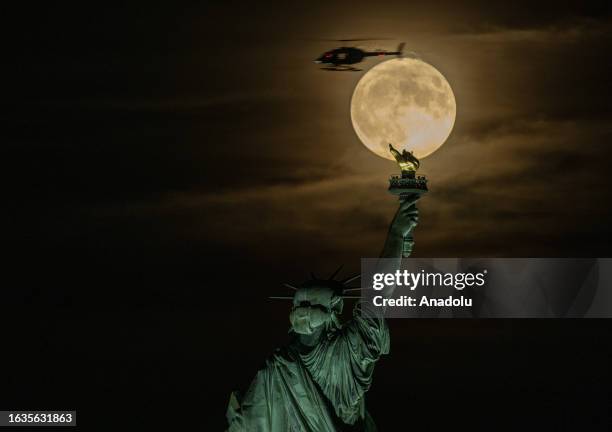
x=405 y=102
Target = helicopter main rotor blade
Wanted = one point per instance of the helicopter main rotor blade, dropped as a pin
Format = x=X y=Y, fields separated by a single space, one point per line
x=351 y=40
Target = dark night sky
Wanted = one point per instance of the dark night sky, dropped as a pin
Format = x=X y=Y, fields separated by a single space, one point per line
x=170 y=166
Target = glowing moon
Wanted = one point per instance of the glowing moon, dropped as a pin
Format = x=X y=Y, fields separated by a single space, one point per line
x=406 y=102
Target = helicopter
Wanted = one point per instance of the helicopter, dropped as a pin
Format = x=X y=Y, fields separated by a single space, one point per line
x=341 y=59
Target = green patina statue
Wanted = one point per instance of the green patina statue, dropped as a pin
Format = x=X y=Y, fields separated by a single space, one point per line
x=317 y=383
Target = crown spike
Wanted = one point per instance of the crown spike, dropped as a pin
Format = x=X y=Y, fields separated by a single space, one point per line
x=334 y=274
x=351 y=279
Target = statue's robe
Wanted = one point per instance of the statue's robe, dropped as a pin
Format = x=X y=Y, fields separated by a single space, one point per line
x=319 y=390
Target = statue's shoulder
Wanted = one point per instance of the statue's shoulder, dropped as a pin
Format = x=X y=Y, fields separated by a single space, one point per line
x=281 y=356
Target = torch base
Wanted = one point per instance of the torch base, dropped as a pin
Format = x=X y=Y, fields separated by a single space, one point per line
x=407 y=185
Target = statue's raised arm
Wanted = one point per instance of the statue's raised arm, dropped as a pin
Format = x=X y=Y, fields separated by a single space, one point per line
x=401 y=228
x=400 y=241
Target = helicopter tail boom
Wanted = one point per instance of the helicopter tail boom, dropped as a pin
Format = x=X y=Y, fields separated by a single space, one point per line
x=399 y=52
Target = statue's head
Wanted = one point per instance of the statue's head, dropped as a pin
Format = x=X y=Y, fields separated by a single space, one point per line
x=316 y=303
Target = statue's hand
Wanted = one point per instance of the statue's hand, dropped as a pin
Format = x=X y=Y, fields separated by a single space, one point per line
x=407 y=216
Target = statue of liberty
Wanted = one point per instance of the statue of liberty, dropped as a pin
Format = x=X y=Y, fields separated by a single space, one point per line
x=318 y=382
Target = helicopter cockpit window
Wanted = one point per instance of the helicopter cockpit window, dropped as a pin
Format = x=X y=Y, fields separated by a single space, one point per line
x=342 y=56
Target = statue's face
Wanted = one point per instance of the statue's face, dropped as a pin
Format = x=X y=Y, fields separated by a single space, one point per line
x=313 y=307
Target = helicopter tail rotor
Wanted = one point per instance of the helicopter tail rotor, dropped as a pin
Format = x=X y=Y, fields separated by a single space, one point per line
x=400 y=49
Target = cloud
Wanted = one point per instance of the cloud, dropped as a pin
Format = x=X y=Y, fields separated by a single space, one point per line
x=493 y=191
x=550 y=33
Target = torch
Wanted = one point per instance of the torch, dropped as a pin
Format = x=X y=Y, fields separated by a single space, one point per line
x=406 y=185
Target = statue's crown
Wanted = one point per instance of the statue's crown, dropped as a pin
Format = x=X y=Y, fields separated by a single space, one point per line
x=324 y=290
